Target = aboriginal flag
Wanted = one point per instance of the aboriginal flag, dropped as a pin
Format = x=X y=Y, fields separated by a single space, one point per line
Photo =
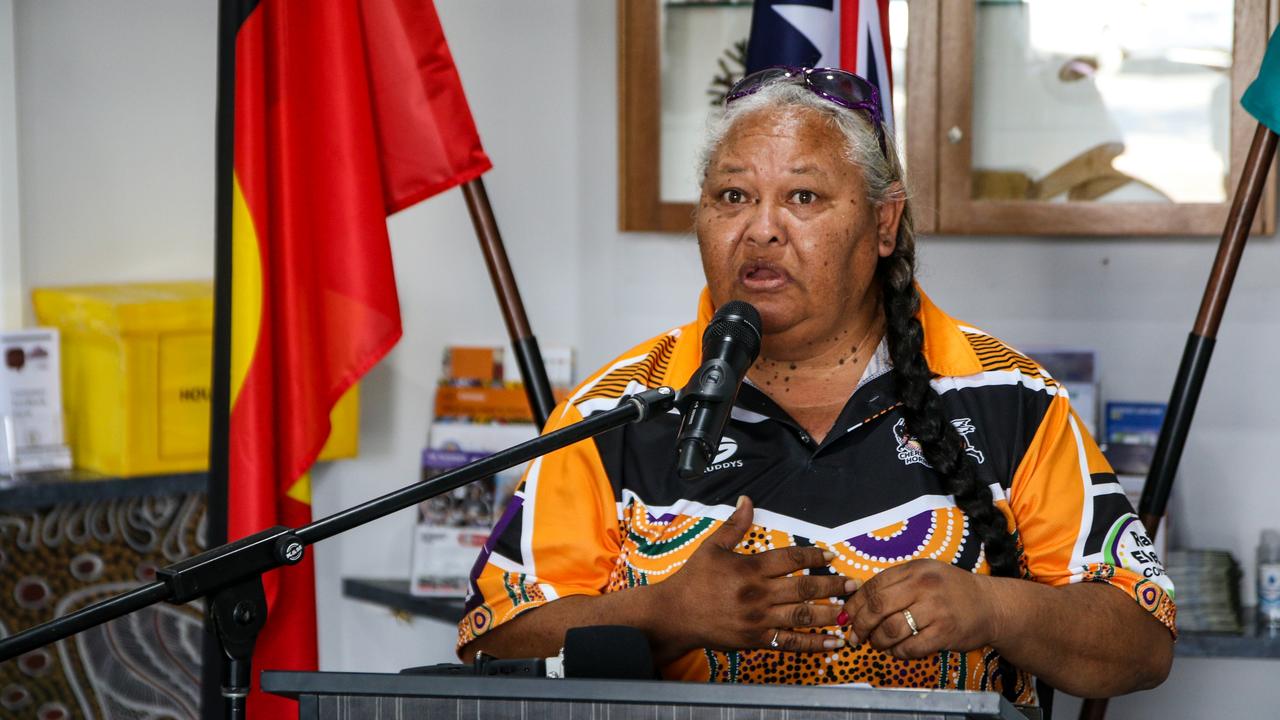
x=332 y=115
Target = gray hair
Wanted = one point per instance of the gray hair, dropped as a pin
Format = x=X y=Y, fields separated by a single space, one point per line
x=883 y=176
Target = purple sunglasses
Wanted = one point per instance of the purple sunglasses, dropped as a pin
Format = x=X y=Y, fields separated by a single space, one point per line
x=831 y=84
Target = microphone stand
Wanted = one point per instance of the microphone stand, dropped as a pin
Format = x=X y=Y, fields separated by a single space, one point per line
x=231 y=575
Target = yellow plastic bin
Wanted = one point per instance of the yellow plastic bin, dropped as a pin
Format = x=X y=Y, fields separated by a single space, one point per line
x=136 y=366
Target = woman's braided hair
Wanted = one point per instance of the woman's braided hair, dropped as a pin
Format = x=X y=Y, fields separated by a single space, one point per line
x=943 y=446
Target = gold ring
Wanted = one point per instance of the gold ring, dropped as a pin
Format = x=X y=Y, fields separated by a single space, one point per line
x=774 y=642
x=911 y=622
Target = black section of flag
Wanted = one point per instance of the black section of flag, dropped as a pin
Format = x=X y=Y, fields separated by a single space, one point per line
x=231 y=15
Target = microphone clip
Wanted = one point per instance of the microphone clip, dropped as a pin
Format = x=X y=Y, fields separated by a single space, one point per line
x=714 y=382
x=730 y=345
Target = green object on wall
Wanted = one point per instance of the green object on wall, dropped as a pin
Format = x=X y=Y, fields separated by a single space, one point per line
x=1262 y=99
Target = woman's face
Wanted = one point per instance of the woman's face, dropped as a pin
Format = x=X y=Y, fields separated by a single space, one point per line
x=784 y=224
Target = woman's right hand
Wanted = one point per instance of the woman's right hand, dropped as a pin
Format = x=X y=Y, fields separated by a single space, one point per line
x=726 y=600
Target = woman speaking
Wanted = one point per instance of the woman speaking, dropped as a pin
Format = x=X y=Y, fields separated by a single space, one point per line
x=899 y=499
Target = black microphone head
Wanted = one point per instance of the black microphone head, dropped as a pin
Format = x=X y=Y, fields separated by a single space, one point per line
x=613 y=652
x=737 y=322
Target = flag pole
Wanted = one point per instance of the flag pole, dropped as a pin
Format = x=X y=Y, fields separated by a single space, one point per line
x=1195 y=357
x=229 y=16
x=523 y=342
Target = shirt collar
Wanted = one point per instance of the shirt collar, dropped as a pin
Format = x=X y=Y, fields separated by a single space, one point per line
x=878 y=365
x=946 y=350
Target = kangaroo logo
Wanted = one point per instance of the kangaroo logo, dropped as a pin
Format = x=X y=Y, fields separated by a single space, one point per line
x=965 y=427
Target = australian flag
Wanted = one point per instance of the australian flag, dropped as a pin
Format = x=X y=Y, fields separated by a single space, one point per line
x=849 y=34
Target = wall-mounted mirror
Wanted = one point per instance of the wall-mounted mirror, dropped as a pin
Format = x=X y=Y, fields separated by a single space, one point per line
x=678 y=57
x=1014 y=116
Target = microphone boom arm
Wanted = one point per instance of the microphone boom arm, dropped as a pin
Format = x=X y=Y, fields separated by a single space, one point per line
x=231 y=575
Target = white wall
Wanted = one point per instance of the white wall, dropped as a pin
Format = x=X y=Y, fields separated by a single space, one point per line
x=115 y=128
x=11 y=299
x=115 y=158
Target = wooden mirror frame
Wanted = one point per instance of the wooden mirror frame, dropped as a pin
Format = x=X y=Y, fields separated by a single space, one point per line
x=939 y=84
x=640 y=205
x=949 y=60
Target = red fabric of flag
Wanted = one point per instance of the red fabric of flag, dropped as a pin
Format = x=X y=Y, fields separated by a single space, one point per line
x=865 y=47
x=345 y=111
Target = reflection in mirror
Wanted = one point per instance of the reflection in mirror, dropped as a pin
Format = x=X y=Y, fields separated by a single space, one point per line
x=703 y=50
x=704 y=46
x=898 y=25
x=1102 y=100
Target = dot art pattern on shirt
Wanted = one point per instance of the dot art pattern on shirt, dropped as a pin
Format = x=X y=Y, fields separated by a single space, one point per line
x=655 y=546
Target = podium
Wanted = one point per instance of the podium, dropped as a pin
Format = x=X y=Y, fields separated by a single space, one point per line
x=368 y=696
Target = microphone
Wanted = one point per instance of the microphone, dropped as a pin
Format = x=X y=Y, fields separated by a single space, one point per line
x=729 y=346
x=607 y=652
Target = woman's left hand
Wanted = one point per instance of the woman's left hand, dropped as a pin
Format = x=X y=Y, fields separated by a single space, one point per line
x=952 y=609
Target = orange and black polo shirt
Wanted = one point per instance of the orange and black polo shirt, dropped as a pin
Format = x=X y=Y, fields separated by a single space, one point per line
x=607 y=514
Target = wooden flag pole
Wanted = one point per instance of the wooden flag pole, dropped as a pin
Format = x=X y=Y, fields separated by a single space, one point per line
x=1195 y=358
x=525 y=345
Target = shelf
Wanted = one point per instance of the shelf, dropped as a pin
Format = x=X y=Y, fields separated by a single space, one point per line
x=675 y=5
x=394 y=593
x=31 y=491
x=1252 y=643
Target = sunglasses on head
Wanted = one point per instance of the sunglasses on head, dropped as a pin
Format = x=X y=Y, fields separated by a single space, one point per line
x=834 y=85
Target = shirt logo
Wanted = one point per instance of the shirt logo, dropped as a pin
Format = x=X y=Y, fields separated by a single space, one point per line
x=1127 y=545
x=910 y=452
x=728 y=446
x=722 y=461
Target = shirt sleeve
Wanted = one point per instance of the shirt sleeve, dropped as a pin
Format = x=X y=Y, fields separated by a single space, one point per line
x=1074 y=522
x=559 y=536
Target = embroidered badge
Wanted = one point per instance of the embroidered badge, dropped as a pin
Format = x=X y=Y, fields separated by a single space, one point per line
x=966 y=428
x=910 y=452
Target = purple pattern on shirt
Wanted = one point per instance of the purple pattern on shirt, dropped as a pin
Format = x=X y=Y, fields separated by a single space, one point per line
x=906 y=543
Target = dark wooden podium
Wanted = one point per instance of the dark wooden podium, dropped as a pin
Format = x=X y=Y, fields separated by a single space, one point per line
x=366 y=696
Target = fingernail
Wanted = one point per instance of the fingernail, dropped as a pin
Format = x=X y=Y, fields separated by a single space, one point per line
x=851 y=585
x=843 y=618
x=742 y=500
x=828 y=555
x=832 y=643
x=852 y=638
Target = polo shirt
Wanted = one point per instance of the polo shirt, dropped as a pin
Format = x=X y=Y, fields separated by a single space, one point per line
x=610 y=513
